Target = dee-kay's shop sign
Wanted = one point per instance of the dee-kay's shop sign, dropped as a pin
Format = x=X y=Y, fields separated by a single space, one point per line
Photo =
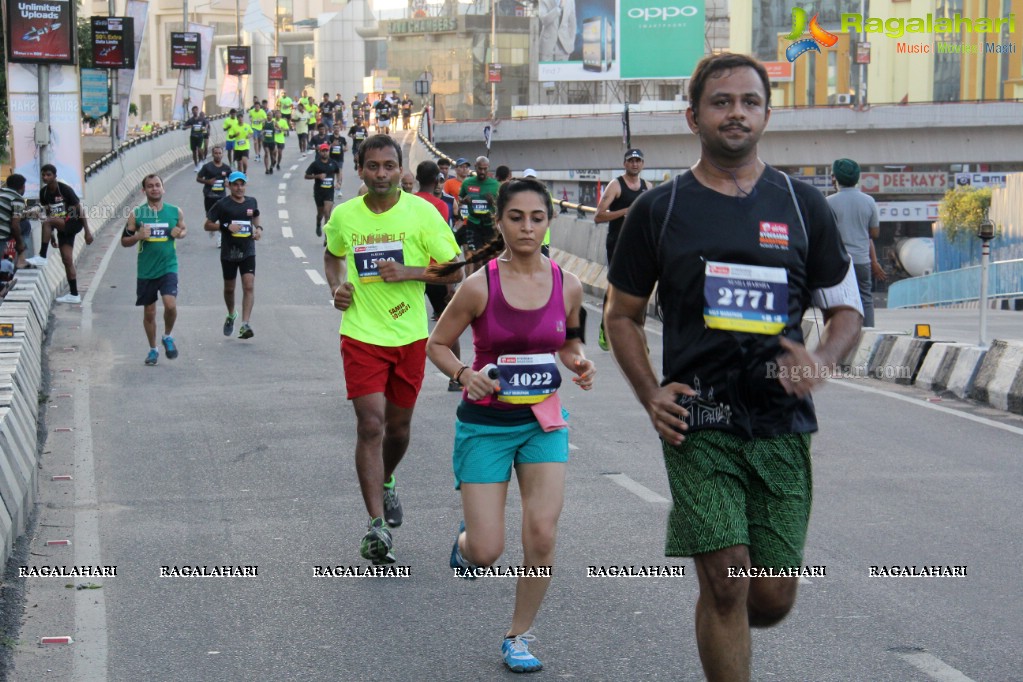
x=904 y=183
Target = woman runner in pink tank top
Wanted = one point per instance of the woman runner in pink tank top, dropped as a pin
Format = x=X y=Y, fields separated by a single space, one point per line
x=524 y=310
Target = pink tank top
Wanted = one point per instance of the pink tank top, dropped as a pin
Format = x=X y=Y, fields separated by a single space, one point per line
x=504 y=330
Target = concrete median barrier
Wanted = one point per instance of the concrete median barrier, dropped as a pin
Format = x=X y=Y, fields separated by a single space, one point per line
x=999 y=380
x=112 y=188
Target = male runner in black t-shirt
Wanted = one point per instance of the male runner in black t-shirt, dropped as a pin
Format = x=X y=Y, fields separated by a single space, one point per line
x=358 y=133
x=326 y=176
x=338 y=147
x=737 y=253
x=237 y=218
x=321 y=136
x=198 y=130
x=213 y=178
x=65 y=219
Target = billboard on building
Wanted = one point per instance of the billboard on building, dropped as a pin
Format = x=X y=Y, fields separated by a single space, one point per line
x=186 y=50
x=112 y=41
x=581 y=40
x=239 y=60
x=41 y=32
x=277 y=68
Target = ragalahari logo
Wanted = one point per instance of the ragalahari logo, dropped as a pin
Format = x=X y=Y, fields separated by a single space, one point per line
x=818 y=36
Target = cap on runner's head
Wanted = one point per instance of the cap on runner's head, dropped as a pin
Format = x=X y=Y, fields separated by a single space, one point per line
x=461 y=161
x=529 y=173
x=323 y=146
x=633 y=154
x=236 y=176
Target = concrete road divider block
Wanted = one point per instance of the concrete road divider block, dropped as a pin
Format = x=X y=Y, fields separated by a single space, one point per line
x=965 y=370
x=868 y=347
x=897 y=358
x=949 y=367
x=999 y=380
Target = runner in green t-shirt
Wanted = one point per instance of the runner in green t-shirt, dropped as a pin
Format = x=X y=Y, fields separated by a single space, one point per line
x=154 y=227
x=378 y=248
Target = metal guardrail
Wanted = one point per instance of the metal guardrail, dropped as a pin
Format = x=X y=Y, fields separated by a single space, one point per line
x=139 y=139
x=561 y=203
x=1005 y=280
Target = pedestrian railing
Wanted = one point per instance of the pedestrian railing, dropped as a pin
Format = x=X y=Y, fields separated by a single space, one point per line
x=563 y=204
x=1005 y=280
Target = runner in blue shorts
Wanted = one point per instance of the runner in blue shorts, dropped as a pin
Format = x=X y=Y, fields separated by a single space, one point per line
x=523 y=310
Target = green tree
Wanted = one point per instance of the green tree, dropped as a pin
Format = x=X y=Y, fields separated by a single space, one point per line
x=963 y=209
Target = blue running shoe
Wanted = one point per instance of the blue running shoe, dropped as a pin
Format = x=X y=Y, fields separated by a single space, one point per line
x=170 y=348
x=516 y=654
x=459 y=562
x=229 y=323
x=153 y=357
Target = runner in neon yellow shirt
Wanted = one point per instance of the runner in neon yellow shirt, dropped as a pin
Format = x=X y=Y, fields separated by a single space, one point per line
x=281 y=128
x=257 y=118
x=242 y=133
x=378 y=248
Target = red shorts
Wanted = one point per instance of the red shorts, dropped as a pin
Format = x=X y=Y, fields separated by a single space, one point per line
x=395 y=371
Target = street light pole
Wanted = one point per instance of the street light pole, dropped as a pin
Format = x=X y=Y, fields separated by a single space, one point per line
x=493 y=59
x=114 y=103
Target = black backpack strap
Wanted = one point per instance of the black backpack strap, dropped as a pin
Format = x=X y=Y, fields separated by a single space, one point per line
x=799 y=212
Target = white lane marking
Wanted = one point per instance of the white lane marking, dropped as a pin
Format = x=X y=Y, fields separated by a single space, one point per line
x=287 y=233
x=804 y=581
x=641 y=491
x=281 y=199
x=286 y=176
x=598 y=310
x=933 y=667
x=298 y=252
x=293 y=167
x=573 y=446
x=282 y=185
x=931 y=406
x=90 y=661
x=316 y=277
x=282 y=214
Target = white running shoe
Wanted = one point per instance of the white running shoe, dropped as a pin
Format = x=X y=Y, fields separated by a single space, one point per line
x=69 y=298
x=37 y=261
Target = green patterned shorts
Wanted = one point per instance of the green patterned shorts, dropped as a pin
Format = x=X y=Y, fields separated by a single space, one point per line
x=729 y=491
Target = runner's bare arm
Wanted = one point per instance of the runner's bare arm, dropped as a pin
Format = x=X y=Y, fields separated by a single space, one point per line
x=571 y=353
x=604 y=215
x=623 y=324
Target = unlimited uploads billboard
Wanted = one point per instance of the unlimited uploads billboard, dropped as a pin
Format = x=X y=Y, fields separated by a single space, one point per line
x=581 y=40
x=41 y=32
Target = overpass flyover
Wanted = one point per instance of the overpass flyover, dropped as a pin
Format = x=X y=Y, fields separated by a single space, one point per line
x=904 y=135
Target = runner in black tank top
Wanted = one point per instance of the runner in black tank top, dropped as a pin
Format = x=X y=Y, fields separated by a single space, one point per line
x=613 y=207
